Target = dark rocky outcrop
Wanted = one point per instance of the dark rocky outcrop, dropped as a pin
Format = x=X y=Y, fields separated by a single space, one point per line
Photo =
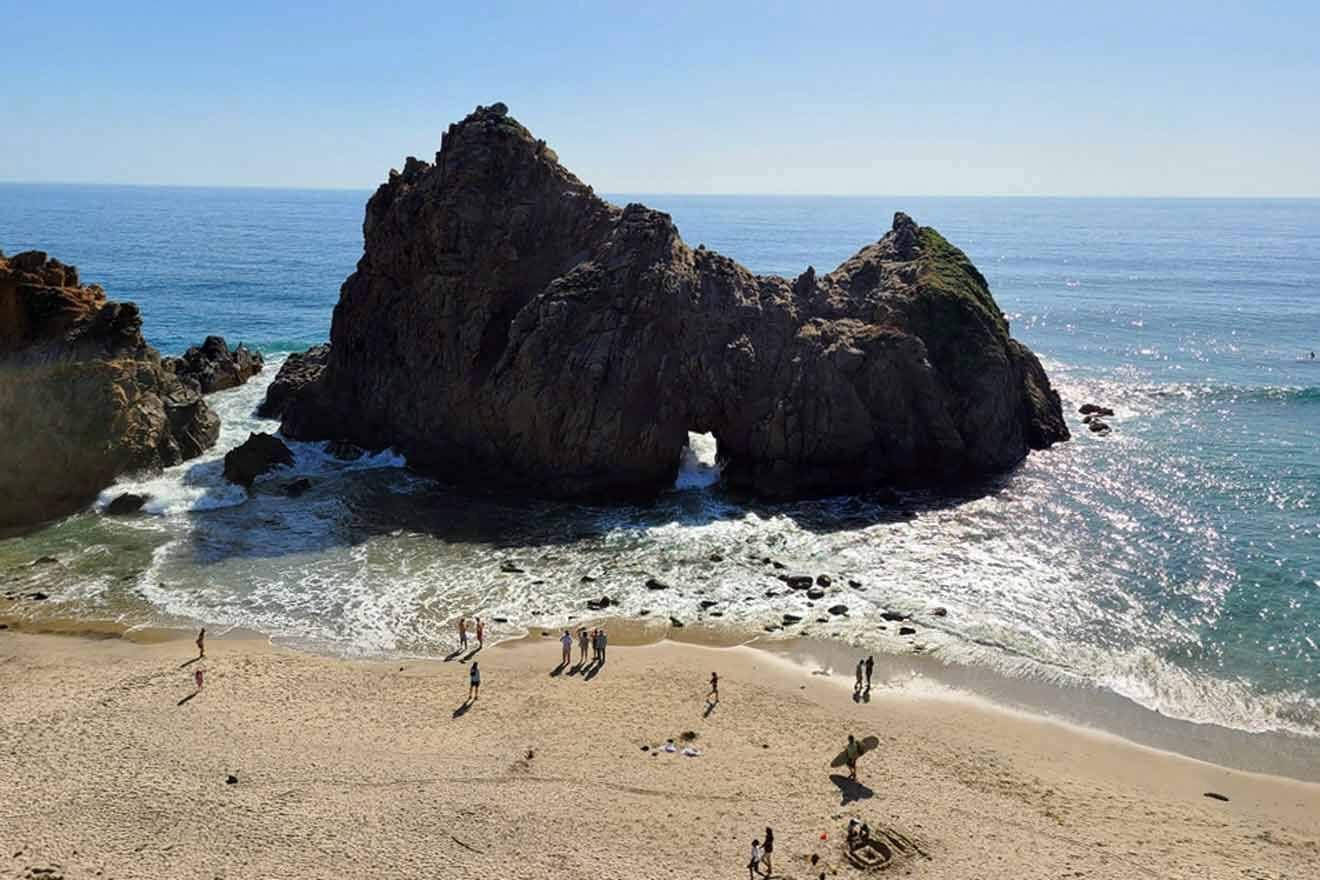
x=298 y=370
x=126 y=504
x=211 y=366
x=257 y=454
x=83 y=398
x=507 y=325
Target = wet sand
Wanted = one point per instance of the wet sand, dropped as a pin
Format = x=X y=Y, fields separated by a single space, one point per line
x=355 y=769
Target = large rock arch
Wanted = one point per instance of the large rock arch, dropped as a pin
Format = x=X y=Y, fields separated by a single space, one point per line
x=505 y=324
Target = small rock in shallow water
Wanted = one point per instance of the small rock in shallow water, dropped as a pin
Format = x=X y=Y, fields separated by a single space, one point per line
x=510 y=567
x=297 y=487
x=906 y=631
x=815 y=593
x=941 y=612
x=45 y=560
x=708 y=603
x=656 y=584
x=126 y=504
x=838 y=609
x=823 y=580
x=675 y=623
x=790 y=619
x=894 y=615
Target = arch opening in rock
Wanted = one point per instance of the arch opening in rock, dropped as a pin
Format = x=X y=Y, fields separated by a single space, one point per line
x=698 y=463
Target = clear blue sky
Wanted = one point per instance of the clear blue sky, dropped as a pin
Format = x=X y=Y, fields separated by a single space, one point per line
x=1106 y=98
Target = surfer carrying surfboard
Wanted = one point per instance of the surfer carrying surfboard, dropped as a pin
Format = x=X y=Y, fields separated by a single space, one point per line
x=854 y=751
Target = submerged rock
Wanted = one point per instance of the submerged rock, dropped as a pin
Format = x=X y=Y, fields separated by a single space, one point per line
x=1089 y=409
x=298 y=487
x=83 y=398
x=506 y=325
x=259 y=453
x=211 y=366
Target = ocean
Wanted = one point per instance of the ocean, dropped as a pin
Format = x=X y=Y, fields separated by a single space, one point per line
x=1173 y=565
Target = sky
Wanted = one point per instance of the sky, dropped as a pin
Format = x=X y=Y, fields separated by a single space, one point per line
x=868 y=98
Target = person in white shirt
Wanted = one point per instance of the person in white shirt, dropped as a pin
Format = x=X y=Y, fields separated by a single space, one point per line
x=567 y=641
x=754 y=865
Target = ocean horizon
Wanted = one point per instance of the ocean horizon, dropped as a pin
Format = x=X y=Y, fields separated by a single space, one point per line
x=1174 y=564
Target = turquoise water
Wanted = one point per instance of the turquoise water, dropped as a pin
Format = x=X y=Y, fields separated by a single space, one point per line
x=1175 y=562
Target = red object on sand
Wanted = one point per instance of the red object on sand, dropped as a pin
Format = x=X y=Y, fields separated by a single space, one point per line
x=824 y=835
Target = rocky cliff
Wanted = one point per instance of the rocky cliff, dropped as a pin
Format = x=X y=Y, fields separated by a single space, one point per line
x=83 y=398
x=505 y=324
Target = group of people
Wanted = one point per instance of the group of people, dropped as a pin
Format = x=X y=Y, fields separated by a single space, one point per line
x=480 y=627
x=865 y=666
x=594 y=641
x=762 y=855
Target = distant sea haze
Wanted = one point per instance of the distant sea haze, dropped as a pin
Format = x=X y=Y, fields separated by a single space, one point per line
x=1175 y=562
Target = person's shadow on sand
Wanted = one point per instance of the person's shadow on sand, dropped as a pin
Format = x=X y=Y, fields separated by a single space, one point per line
x=559 y=670
x=710 y=709
x=463 y=709
x=454 y=655
x=593 y=670
x=851 y=789
x=188 y=698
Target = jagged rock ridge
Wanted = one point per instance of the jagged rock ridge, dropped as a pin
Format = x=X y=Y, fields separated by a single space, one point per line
x=506 y=324
x=83 y=398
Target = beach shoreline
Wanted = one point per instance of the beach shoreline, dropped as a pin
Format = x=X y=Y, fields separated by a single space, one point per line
x=348 y=767
x=1088 y=709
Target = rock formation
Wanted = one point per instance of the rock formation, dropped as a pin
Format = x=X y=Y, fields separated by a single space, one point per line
x=211 y=366
x=255 y=456
x=298 y=370
x=83 y=398
x=507 y=325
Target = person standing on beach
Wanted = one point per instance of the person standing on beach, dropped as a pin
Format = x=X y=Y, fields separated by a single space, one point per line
x=755 y=863
x=769 y=850
x=474 y=681
x=714 y=688
x=854 y=751
x=861 y=670
x=201 y=644
x=481 y=634
x=567 y=641
x=602 y=646
x=870 y=667
x=582 y=646
x=462 y=633
x=595 y=645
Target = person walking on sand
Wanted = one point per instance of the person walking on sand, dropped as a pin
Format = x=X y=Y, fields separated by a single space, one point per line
x=201 y=644
x=854 y=751
x=582 y=646
x=462 y=633
x=870 y=667
x=754 y=865
x=769 y=848
x=481 y=634
x=474 y=681
x=714 y=689
x=861 y=670
x=567 y=641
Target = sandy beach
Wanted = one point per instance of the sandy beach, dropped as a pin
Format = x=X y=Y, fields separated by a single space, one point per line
x=363 y=769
